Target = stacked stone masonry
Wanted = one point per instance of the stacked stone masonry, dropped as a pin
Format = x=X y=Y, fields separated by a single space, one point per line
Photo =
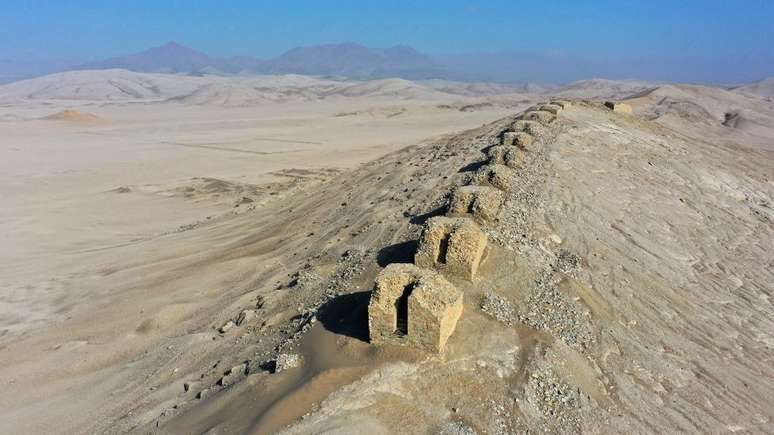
x=510 y=156
x=619 y=107
x=454 y=246
x=540 y=116
x=413 y=306
x=517 y=138
x=481 y=202
x=498 y=176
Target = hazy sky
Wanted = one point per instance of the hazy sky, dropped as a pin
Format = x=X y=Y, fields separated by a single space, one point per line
x=694 y=35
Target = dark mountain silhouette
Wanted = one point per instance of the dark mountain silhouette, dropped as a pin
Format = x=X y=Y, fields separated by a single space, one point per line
x=348 y=60
x=357 y=61
x=170 y=57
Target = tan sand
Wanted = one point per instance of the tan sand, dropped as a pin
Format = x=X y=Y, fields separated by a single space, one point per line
x=626 y=287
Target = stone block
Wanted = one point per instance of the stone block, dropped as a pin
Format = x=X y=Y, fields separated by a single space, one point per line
x=517 y=138
x=540 y=116
x=531 y=127
x=454 y=246
x=413 y=306
x=499 y=176
x=619 y=107
x=482 y=202
x=551 y=108
x=507 y=155
x=233 y=375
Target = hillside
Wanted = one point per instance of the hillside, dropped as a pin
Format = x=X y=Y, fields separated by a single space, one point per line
x=602 y=89
x=101 y=85
x=121 y=86
x=625 y=288
x=702 y=108
x=763 y=88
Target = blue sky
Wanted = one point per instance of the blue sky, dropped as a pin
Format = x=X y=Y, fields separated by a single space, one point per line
x=706 y=33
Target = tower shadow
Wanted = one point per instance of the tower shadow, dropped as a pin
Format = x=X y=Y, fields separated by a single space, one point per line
x=347 y=315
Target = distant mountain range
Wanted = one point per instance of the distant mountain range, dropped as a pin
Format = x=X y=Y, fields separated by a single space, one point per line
x=345 y=60
x=352 y=61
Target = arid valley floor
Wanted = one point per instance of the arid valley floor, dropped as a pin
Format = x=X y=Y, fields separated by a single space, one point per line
x=166 y=239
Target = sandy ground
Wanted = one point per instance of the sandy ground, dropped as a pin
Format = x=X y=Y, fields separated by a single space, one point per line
x=631 y=269
x=85 y=199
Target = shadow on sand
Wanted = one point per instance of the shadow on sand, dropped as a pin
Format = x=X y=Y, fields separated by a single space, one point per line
x=347 y=315
x=420 y=219
x=402 y=252
x=473 y=167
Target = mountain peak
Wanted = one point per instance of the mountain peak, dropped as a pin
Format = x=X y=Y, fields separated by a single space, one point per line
x=172 y=44
x=347 y=59
x=170 y=57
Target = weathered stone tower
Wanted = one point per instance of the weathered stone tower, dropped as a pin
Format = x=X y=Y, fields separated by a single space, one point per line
x=451 y=245
x=414 y=306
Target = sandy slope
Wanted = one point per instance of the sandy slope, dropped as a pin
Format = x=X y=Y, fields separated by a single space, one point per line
x=86 y=204
x=633 y=258
x=703 y=108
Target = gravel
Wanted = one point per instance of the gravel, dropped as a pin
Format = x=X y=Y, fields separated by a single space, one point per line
x=499 y=308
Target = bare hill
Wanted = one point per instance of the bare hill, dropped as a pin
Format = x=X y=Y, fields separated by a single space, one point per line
x=235 y=91
x=763 y=88
x=102 y=85
x=625 y=288
x=602 y=89
x=697 y=107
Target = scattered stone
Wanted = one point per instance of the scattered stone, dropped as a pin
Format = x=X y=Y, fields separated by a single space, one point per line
x=413 y=306
x=226 y=327
x=499 y=308
x=245 y=316
x=456 y=428
x=557 y=401
x=547 y=308
x=233 y=375
x=188 y=386
x=566 y=261
x=203 y=393
x=286 y=361
x=452 y=245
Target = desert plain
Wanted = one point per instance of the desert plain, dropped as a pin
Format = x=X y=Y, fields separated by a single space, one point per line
x=169 y=242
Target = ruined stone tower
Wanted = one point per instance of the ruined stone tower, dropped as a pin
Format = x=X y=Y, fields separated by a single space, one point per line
x=482 y=202
x=413 y=306
x=451 y=245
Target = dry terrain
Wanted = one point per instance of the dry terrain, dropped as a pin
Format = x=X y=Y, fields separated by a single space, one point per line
x=195 y=255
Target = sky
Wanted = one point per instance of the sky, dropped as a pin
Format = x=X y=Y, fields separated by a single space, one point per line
x=702 y=39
